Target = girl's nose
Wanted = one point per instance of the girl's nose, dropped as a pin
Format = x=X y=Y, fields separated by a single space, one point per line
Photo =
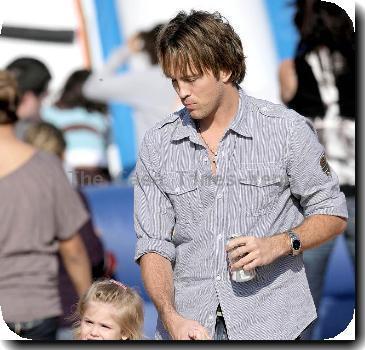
x=94 y=332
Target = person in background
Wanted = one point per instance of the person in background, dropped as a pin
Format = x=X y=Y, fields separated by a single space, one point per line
x=320 y=83
x=85 y=127
x=33 y=78
x=109 y=310
x=40 y=216
x=146 y=90
x=48 y=138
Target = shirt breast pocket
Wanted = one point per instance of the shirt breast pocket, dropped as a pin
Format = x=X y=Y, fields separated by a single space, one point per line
x=259 y=189
x=182 y=190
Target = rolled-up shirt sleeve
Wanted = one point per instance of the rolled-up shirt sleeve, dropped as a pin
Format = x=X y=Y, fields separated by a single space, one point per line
x=312 y=181
x=154 y=217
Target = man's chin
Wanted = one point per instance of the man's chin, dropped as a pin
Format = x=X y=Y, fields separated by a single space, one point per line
x=195 y=115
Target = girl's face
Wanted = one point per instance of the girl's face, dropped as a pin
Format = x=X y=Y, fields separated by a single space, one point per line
x=99 y=322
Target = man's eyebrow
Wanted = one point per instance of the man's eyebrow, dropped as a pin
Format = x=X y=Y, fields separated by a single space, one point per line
x=184 y=77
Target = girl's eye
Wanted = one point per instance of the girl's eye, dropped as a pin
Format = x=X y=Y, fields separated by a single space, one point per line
x=105 y=326
x=88 y=321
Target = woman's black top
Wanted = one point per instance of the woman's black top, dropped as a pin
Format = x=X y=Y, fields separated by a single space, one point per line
x=307 y=100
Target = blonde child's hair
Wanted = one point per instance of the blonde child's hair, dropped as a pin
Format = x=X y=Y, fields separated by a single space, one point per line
x=126 y=301
x=46 y=137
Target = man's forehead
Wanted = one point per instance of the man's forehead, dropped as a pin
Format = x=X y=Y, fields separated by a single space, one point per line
x=181 y=72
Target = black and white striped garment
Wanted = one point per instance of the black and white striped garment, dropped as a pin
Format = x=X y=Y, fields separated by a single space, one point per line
x=271 y=173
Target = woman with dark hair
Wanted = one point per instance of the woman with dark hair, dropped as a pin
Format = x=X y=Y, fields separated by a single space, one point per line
x=40 y=216
x=320 y=83
x=33 y=78
x=146 y=89
x=72 y=96
x=325 y=31
x=85 y=127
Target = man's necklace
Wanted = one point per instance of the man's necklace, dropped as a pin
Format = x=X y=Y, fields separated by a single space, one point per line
x=214 y=154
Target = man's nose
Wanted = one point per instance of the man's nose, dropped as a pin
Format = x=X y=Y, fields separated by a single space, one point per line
x=183 y=90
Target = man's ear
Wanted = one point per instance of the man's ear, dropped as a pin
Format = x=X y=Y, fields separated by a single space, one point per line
x=225 y=75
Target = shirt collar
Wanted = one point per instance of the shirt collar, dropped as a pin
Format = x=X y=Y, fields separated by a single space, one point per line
x=240 y=123
x=187 y=129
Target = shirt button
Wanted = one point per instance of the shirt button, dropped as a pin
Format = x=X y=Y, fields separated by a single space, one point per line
x=219 y=236
x=177 y=189
x=219 y=195
x=218 y=278
x=211 y=318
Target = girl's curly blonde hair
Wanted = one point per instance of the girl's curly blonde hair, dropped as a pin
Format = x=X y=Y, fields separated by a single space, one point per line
x=126 y=301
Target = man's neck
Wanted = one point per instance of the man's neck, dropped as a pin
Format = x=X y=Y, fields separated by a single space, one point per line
x=225 y=113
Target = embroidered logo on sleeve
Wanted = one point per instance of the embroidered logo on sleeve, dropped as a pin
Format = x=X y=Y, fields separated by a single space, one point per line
x=324 y=164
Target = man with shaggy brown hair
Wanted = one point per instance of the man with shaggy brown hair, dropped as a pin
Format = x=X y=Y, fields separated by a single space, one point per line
x=269 y=184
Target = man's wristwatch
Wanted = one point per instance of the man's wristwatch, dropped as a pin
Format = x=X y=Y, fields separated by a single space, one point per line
x=295 y=243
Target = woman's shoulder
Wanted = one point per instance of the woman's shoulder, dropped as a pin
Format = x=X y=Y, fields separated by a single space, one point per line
x=48 y=161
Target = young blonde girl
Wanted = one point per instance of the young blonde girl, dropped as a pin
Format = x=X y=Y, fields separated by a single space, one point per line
x=109 y=311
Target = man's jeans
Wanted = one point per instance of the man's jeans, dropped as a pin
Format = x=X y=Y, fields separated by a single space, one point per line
x=44 y=329
x=221 y=330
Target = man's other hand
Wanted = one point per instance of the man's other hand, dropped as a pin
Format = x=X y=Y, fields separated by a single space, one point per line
x=183 y=329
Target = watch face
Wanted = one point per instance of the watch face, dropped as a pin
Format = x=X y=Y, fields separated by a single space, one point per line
x=296 y=244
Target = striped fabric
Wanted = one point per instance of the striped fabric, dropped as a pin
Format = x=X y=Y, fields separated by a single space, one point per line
x=269 y=178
